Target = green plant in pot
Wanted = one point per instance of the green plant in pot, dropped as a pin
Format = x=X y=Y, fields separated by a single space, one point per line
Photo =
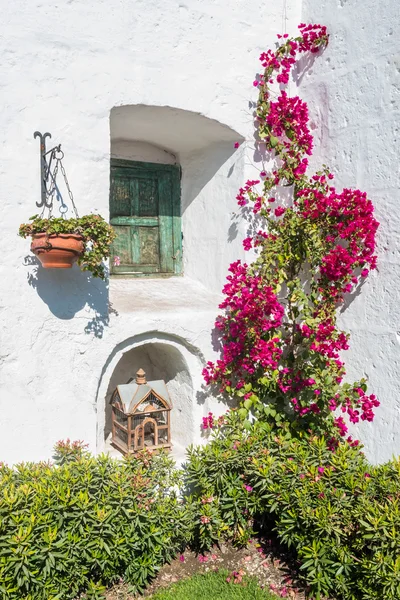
x=59 y=242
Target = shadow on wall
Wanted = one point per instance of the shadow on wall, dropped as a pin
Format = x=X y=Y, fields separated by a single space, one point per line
x=198 y=168
x=159 y=361
x=303 y=65
x=67 y=291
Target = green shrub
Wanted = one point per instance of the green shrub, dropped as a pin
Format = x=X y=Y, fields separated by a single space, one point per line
x=86 y=523
x=339 y=514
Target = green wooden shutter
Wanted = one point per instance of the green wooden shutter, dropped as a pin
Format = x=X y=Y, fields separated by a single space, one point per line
x=145 y=214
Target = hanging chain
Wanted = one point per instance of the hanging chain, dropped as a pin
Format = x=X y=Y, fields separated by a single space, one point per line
x=59 y=161
x=50 y=192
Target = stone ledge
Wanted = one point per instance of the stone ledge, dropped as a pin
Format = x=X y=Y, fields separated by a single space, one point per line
x=156 y=295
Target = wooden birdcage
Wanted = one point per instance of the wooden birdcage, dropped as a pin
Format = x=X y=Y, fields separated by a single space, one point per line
x=141 y=415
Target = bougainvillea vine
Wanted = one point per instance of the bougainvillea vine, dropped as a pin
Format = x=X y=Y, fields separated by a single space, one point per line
x=281 y=347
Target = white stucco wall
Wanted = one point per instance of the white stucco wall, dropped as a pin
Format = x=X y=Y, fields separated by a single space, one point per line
x=353 y=91
x=64 y=67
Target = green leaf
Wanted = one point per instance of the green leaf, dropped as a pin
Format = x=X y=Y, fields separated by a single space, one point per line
x=273 y=141
x=248 y=404
x=242 y=412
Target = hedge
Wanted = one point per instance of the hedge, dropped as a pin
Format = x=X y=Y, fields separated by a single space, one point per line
x=85 y=523
x=339 y=514
x=79 y=525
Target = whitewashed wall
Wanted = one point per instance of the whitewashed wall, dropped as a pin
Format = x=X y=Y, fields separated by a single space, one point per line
x=354 y=96
x=64 y=67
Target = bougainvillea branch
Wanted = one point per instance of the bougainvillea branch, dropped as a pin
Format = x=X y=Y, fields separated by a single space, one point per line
x=281 y=345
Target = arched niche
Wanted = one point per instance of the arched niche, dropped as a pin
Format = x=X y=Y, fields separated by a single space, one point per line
x=161 y=357
x=211 y=172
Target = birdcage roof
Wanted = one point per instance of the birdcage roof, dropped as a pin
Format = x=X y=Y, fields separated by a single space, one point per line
x=133 y=394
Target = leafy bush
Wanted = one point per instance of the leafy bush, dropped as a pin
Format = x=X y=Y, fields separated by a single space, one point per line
x=86 y=523
x=339 y=514
x=211 y=586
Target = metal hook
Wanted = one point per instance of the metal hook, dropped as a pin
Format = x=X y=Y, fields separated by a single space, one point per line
x=48 y=176
x=43 y=168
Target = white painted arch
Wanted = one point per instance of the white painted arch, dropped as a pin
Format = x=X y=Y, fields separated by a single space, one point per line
x=175 y=130
x=187 y=412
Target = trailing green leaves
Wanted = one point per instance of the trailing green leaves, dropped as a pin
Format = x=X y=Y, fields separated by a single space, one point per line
x=96 y=232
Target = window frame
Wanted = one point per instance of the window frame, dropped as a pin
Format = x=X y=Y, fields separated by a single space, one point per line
x=175 y=173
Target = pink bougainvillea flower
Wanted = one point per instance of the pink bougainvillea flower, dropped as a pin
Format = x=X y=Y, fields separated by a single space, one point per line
x=279 y=211
x=182 y=558
x=247 y=243
x=208 y=421
x=247 y=559
x=202 y=558
x=236 y=145
x=258 y=331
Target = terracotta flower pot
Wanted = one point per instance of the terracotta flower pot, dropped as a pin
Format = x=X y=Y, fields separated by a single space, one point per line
x=57 y=251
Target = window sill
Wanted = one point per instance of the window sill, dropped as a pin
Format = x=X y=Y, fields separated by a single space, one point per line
x=161 y=294
x=144 y=275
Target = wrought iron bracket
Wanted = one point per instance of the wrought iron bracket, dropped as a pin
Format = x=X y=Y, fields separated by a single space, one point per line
x=48 y=185
x=44 y=170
